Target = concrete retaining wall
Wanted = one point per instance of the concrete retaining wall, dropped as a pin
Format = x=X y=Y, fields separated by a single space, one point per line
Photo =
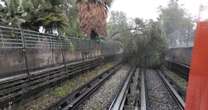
x=180 y=55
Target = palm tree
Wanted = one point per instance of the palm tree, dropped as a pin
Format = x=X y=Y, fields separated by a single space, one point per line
x=93 y=15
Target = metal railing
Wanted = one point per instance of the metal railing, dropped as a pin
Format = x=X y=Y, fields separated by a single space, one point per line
x=25 y=48
x=19 y=38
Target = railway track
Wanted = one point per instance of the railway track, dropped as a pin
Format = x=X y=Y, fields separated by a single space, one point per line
x=21 y=86
x=160 y=94
x=154 y=91
x=73 y=100
x=142 y=89
x=123 y=99
x=175 y=85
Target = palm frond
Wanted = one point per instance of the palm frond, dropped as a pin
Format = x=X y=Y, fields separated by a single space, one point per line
x=92 y=16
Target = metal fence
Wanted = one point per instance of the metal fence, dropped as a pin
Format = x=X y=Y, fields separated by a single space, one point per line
x=30 y=61
x=26 y=50
x=18 y=38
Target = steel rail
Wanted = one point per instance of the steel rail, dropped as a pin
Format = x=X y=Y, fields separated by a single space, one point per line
x=143 y=92
x=177 y=98
x=73 y=100
x=119 y=100
x=181 y=91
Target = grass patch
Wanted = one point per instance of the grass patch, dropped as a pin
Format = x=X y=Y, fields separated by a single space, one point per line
x=72 y=84
x=179 y=81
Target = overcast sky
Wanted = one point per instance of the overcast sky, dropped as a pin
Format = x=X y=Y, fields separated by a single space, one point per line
x=148 y=9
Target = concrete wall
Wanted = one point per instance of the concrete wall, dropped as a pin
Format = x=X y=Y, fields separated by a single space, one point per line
x=12 y=61
x=180 y=55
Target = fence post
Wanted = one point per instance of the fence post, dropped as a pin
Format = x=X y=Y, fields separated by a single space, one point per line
x=52 y=48
x=62 y=52
x=24 y=52
x=25 y=85
x=2 y=41
x=90 y=48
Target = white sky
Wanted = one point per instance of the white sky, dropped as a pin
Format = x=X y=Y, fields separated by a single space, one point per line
x=148 y=9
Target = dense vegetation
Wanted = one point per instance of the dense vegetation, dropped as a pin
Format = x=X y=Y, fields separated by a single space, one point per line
x=55 y=16
x=145 y=42
x=142 y=40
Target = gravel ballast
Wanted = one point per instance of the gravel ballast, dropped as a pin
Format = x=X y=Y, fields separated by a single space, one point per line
x=179 y=80
x=53 y=95
x=102 y=98
x=158 y=96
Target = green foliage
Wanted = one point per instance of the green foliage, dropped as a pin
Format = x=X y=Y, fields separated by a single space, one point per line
x=71 y=11
x=118 y=28
x=12 y=13
x=46 y=13
x=52 y=15
x=147 y=49
x=142 y=42
x=117 y=23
